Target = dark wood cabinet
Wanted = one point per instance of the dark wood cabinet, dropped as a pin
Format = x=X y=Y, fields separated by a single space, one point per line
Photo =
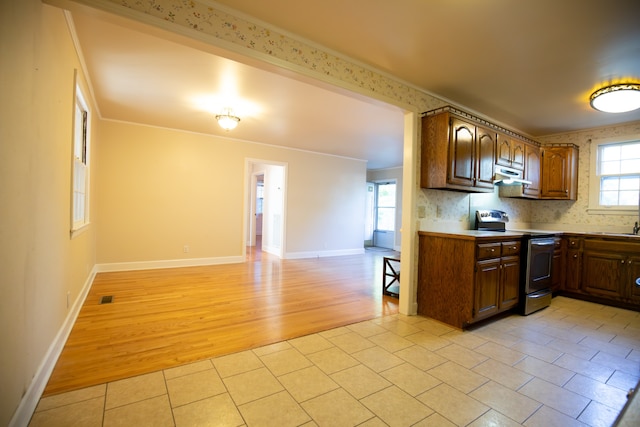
x=602 y=273
x=573 y=264
x=559 y=172
x=509 y=151
x=464 y=280
x=603 y=269
x=632 y=283
x=532 y=171
x=609 y=267
x=457 y=153
x=487 y=288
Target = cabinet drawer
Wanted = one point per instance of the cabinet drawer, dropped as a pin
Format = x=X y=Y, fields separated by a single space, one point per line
x=573 y=243
x=510 y=248
x=488 y=250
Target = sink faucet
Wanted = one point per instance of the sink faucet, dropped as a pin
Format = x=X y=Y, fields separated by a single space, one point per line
x=636 y=228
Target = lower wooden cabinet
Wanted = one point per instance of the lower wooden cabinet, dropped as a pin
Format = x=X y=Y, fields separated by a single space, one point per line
x=464 y=280
x=605 y=270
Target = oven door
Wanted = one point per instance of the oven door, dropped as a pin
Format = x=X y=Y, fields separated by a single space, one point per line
x=539 y=264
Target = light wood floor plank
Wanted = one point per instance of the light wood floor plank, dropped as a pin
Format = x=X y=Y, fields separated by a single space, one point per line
x=169 y=317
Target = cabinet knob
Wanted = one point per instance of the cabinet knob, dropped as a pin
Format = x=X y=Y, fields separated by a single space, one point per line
x=493 y=250
x=515 y=248
x=622 y=262
x=575 y=255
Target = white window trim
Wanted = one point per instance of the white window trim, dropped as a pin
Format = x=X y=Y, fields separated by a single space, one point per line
x=594 y=185
x=77 y=227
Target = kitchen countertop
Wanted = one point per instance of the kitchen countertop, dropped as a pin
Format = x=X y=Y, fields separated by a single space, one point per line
x=476 y=234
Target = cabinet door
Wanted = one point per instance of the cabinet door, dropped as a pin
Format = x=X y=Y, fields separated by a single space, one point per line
x=602 y=273
x=485 y=149
x=486 y=288
x=574 y=264
x=461 y=153
x=557 y=267
x=517 y=154
x=503 y=150
x=555 y=183
x=532 y=170
x=510 y=282
x=632 y=283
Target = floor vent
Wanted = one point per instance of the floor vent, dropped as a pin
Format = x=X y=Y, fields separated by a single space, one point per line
x=108 y=299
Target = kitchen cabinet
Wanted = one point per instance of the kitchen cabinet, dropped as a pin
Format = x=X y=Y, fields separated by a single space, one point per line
x=603 y=269
x=633 y=279
x=559 y=172
x=457 y=153
x=509 y=151
x=609 y=269
x=573 y=264
x=532 y=171
x=463 y=280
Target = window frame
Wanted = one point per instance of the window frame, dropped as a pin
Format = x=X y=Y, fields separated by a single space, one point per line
x=79 y=225
x=595 y=207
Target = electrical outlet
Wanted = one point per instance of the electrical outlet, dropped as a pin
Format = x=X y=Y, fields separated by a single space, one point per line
x=185 y=249
x=68 y=298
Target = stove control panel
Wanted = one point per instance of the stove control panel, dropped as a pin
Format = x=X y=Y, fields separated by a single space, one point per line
x=491 y=215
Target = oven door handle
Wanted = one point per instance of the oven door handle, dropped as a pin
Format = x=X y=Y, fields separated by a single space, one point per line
x=543 y=243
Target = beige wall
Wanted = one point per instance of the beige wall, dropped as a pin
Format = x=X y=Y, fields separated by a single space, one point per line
x=39 y=261
x=161 y=189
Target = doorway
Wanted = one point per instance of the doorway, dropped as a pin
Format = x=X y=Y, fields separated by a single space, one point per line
x=265 y=215
x=384 y=214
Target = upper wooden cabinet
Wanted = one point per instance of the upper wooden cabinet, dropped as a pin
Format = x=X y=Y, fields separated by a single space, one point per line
x=457 y=153
x=509 y=152
x=532 y=171
x=559 y=172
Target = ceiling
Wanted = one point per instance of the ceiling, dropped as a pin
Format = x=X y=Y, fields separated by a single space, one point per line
x=529 y=65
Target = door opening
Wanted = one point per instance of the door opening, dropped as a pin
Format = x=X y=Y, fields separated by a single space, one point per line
x=384 y=233
x=265 y=213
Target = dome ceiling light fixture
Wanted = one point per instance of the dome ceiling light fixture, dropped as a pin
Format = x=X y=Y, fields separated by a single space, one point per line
x=227 y=120
x=618 y=98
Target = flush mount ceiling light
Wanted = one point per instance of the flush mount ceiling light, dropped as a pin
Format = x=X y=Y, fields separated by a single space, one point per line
x=227 y=120
x=618 y=98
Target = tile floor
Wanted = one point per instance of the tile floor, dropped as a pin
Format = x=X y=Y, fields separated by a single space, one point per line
x=568 y=365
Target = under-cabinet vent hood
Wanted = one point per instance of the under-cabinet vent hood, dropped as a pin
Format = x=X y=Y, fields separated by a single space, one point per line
x=508 y=176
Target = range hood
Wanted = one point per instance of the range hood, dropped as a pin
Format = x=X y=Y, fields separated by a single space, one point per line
x=507 y=176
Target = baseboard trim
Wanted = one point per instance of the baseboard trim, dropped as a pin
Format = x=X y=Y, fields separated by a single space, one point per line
x=171 y=263
x=321 y=254
x=31 y=398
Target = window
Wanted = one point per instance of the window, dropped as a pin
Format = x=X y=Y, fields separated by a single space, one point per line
x=80 y=188
x=386 y=207
x=615 y=178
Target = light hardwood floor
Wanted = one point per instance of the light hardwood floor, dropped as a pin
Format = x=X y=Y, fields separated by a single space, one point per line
x=165 y=318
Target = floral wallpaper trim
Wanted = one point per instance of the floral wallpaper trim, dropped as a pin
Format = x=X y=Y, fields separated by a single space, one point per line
x=208 y=18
